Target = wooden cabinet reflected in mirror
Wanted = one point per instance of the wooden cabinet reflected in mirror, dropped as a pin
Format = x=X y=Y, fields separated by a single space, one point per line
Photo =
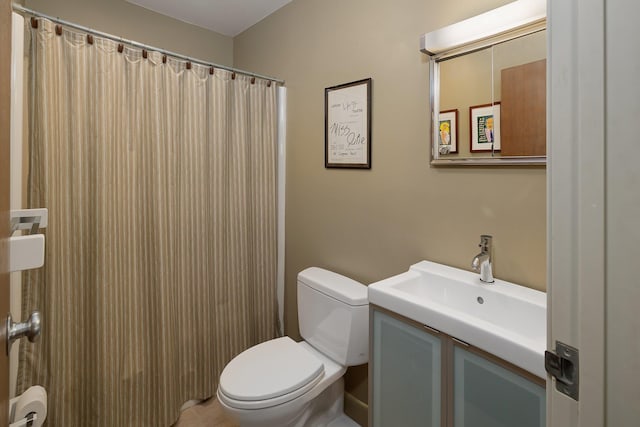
x=524 y=98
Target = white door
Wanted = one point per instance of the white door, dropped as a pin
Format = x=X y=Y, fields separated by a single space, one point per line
x=622 y=214
x=5 y=88
x=594 y=208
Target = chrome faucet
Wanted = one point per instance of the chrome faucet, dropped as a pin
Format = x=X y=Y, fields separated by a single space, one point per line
x=482 y=262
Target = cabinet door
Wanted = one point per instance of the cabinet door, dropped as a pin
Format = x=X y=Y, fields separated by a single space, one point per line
x=523 y=127
x=406 y=364
x=486 y=394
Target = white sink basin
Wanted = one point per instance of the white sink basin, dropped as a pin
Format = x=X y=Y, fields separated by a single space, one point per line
x=502 y=318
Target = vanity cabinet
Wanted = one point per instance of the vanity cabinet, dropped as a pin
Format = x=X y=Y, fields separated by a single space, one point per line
x=488 y=394
x=406 y=373
x=422 y=377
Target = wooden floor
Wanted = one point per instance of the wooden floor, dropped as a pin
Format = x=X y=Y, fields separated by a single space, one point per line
x=206 y=414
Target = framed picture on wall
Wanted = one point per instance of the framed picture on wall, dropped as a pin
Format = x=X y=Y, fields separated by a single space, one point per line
x=484 y=121
x=347 y=119
x=448 y=132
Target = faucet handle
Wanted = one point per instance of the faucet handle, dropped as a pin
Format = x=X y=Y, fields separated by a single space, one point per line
x=485 y=242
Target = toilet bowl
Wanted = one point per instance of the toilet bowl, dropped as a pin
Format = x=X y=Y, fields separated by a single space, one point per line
x=283 y=383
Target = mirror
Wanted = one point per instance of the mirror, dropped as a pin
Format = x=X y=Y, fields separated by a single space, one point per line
x=489 y=102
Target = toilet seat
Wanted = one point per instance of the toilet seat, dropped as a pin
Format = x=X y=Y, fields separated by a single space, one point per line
x=269 y=374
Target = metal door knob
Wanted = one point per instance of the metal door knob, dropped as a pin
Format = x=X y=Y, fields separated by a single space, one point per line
x=29 y=329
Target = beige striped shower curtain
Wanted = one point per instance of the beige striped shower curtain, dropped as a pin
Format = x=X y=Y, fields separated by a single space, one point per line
x=160 y=180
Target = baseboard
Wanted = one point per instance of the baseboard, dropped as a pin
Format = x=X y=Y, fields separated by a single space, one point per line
x=356 y=409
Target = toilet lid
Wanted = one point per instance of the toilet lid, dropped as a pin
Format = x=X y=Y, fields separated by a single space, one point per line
x=269 y=370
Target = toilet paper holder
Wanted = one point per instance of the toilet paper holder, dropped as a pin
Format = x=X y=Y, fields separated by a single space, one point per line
x=26 y=247
x=28 y=421
x=30 y=407
x=29 y=220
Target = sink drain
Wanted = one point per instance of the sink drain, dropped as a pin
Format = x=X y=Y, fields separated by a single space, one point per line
x=480 y=300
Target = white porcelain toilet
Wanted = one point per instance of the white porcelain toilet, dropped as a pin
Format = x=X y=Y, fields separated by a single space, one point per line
x=282 y=383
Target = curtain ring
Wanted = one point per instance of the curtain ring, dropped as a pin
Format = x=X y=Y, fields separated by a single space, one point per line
x=188 y=65
x=212 y=70
x=233 y=76
x=145 y=53
x=34 y=22
x=120 y=47
x=59 y=30
x=89 y=39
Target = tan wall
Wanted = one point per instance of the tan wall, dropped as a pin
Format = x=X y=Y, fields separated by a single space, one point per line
x=136 y=23
x=373 y=224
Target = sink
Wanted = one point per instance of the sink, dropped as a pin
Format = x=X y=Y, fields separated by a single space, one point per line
x=502 y=318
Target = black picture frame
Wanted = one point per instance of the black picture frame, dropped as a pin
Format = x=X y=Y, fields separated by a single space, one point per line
x=347 y=125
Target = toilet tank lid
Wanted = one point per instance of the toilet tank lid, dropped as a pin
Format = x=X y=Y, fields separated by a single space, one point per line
x=335 y=285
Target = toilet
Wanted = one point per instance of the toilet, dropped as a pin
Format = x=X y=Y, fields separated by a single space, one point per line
x=283 y=383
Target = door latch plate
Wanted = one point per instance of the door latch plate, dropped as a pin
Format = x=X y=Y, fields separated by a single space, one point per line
x=563 y=365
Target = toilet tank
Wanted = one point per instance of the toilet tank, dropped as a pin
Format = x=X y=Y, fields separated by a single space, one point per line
x=333 y=314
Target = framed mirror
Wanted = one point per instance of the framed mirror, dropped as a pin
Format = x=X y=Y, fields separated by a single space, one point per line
x=488 y=99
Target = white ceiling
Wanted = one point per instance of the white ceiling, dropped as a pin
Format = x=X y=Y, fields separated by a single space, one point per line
x=228 y=17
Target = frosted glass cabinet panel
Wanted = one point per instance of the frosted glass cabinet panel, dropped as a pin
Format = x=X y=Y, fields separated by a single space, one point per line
x=488 y=395
x=406 y=369
x=426 y=378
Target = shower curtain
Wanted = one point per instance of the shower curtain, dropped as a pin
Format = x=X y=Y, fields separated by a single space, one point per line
x=160 y=180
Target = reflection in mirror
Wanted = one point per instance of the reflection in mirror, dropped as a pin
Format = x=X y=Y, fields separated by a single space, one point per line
x=492 y=101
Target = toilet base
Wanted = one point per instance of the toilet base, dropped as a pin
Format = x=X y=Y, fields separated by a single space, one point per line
x=343 y=421
x=325 y=410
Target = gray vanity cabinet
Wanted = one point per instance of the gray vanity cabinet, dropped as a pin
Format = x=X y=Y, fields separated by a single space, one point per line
x=486 y=394
x=422 y=377
x=406 y=374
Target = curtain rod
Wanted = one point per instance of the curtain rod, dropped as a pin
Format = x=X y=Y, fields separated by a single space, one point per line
x=22 y=9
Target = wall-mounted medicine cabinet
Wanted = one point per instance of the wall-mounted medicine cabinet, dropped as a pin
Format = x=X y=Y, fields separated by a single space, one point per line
x=488 y=88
